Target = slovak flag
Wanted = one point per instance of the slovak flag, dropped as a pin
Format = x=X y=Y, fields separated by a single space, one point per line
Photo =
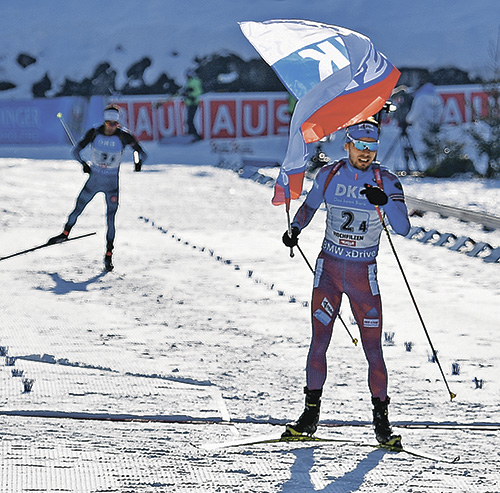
x=337 y=76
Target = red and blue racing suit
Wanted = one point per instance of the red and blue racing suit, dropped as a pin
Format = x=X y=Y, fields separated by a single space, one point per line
x=347 y=262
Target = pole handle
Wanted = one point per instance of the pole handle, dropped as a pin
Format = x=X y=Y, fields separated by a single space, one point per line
x=292 y=254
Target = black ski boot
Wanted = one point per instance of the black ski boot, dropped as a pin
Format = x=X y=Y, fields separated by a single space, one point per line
x=108 y=262
x=108 y=258
x=383 y=430
x=308 y=421
x=60 y=238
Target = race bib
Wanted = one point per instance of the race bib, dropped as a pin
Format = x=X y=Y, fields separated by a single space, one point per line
x=107 y=151
x=353 y=228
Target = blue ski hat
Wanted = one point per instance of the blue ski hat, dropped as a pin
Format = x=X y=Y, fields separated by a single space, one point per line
x=366 y=129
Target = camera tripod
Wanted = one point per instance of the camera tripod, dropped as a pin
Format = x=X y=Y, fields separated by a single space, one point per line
x=408 y=153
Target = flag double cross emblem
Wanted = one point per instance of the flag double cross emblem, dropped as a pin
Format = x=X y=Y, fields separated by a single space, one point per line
x=374 y=67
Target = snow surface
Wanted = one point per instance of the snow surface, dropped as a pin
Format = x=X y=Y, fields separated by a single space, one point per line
x=70 y=39
x=201 y=334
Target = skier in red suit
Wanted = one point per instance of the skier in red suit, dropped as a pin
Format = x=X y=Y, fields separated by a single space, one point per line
x=354 y=190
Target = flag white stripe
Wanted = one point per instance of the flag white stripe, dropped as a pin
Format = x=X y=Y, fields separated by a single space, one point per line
x=275 y=40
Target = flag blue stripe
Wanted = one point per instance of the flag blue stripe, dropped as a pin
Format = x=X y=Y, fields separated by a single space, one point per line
x=300 y=74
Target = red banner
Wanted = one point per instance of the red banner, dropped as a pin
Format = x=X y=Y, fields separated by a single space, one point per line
x=219 y=116
x=243 y=115
x=463 y=104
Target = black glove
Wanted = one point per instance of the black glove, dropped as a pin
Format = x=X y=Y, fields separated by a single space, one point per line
x=86 y=167
x=375 y=195
x=293 y=240
x=138 y=165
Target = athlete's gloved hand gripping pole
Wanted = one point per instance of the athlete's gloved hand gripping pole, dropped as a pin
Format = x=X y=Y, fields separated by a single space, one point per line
x=378 y=197
x=86 y=167
x=291 y=239
x=137 y=161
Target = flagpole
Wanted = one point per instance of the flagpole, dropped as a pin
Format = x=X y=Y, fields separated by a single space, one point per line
x=289 y=223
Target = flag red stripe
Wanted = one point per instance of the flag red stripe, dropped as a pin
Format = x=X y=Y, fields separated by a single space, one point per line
x=349 y=109
x=296 y=180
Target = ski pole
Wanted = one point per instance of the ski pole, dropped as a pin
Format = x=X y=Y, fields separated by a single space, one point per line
x=66 y=129
x=452 y=395
x=353 y=339
x=306 y=260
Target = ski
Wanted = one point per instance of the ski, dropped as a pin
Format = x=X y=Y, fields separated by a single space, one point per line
x=417 y=453
x=45 y=245
x=272 y=438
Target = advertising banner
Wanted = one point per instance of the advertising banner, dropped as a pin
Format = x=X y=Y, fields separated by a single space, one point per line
x=35 y=122
x=219 y=116
x=163 y=119
x=463 y=104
